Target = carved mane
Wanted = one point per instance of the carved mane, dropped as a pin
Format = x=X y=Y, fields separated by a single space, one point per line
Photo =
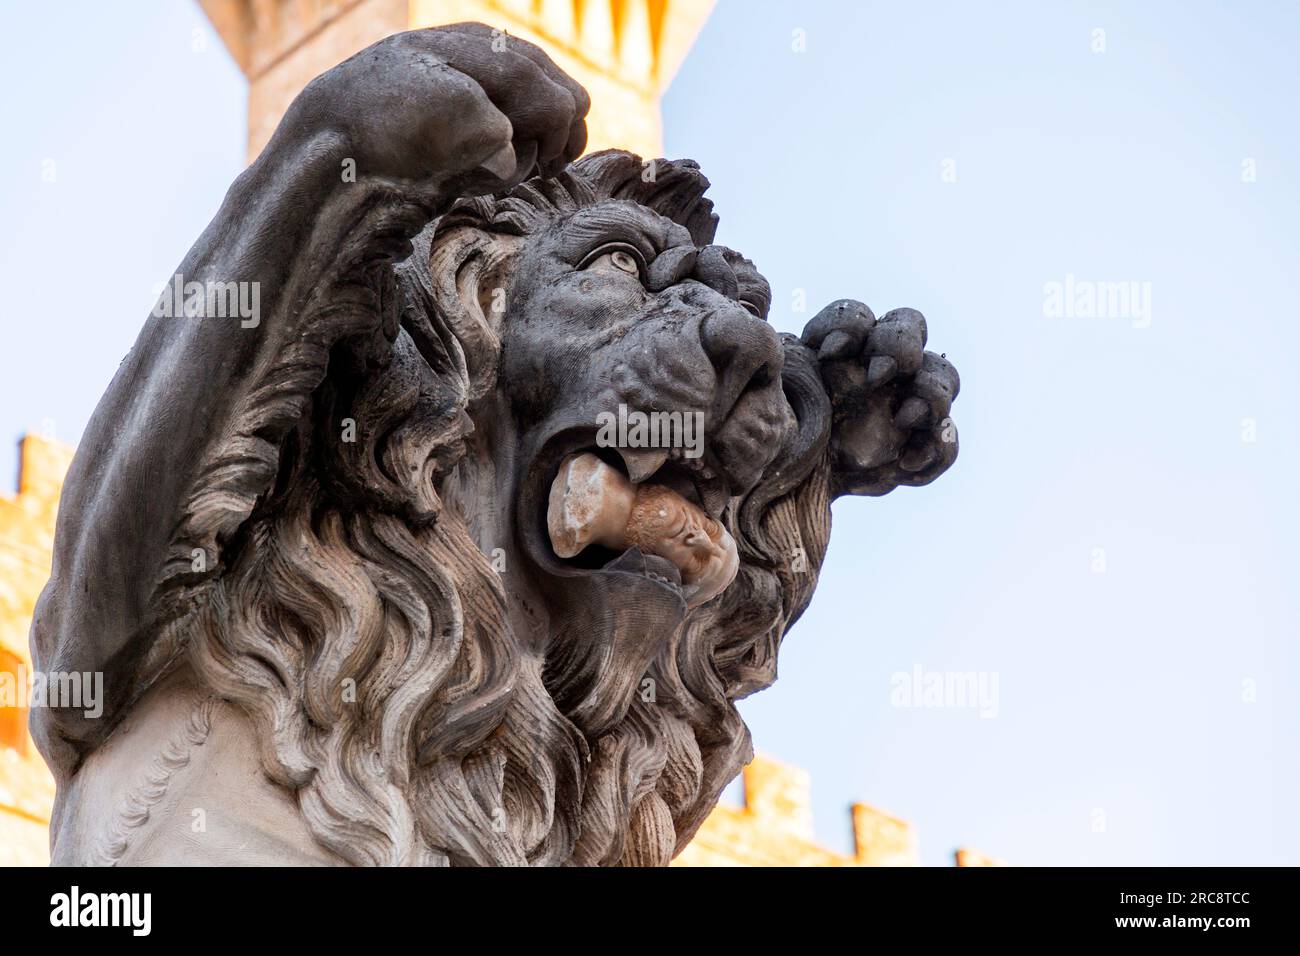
x=349 y=612
x=476 y=764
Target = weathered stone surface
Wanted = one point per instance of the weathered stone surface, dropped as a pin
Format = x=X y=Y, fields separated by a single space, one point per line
x=308 y=547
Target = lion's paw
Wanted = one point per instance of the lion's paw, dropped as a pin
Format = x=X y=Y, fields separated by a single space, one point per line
x=891 y=398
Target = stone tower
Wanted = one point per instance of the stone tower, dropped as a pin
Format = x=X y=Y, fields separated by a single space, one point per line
x=624 y=52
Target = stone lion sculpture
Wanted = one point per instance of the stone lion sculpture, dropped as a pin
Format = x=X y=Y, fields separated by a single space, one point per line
x=364 y=584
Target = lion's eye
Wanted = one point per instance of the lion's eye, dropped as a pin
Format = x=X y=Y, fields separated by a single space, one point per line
x=621 y=259
x=752 y=309
x=624 y=261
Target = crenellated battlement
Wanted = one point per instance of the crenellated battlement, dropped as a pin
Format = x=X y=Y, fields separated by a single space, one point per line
x=775 y=828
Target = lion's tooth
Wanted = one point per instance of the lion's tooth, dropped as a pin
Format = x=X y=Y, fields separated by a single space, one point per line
x=642 y=464
x=589 y=504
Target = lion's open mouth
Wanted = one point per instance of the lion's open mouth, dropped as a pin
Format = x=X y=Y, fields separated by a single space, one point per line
x=652 y=518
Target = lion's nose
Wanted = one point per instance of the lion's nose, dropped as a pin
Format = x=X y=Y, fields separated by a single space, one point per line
x=746 y=354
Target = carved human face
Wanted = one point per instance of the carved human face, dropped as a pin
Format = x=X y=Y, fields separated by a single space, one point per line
x=616 y=313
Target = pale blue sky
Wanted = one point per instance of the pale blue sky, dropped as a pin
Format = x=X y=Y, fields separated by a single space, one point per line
x=1121 y=692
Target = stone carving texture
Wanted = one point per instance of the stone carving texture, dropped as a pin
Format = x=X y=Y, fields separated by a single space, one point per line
x=137 y=804
x=332 y=531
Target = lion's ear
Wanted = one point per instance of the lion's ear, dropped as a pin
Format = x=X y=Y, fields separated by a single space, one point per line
x=469 y=271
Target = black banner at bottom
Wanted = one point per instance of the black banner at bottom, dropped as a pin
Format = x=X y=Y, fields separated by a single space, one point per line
x=643 y=908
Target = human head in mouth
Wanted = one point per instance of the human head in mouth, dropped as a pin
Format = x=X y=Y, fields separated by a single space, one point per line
x=593 y=505
x=387 y=577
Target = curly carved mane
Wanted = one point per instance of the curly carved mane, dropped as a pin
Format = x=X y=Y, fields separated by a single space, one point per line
x=369 y=639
